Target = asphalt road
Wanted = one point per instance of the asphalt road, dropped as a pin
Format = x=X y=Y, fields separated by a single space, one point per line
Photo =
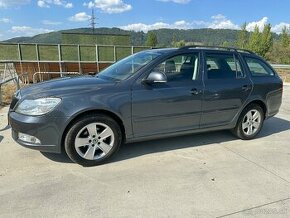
x=205 y=175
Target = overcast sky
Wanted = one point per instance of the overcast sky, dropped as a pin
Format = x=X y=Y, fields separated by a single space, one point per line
x=30 y=17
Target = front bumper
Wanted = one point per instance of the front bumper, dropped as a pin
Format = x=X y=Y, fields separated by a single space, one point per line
x=47 y=129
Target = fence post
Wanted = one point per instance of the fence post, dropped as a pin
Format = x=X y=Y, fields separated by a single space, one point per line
x=37 y=56
x=59 y=59
x=79 y=59
x=20 y=57
x=97 y=58
x=0 y=93
x=115 y=57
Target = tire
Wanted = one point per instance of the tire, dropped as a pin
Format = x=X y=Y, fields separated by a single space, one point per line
x=246 y=128
x=93 y=139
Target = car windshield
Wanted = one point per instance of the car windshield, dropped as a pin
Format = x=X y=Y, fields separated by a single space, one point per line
x=126 y=67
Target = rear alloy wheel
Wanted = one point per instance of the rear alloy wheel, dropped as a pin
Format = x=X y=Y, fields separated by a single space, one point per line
x=93 y=139
x=250 y=122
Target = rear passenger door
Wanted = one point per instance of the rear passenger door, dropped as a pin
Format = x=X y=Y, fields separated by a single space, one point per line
x=227 y=87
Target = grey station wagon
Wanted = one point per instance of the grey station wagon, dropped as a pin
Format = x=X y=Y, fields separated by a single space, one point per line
x=151 y=94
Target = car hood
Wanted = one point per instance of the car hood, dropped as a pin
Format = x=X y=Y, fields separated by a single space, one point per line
x=65 y=86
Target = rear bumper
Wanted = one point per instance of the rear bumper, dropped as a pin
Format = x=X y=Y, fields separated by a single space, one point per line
x=47 y=129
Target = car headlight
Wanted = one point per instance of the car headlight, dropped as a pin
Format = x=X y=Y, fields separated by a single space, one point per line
x=36 y=107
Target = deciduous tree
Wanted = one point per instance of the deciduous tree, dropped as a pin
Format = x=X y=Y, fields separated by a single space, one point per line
x=284 y=37
x=151 y=39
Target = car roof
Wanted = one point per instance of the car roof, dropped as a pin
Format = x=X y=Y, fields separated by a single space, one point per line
x=204 y=48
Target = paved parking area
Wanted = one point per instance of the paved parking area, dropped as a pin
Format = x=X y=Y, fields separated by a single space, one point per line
x=205 y=175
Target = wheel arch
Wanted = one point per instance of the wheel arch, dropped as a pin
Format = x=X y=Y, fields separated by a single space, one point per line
x=93 y=111
x=260 y=103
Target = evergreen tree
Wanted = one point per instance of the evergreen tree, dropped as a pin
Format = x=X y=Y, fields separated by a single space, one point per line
x=266 y=41
x=151 y=39
x=284 y=37
x=243 y=37
x=255 y=41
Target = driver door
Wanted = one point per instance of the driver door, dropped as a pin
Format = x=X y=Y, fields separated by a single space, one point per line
x=172 y=106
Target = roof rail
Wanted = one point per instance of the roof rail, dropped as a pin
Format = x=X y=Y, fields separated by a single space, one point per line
x=217 y=47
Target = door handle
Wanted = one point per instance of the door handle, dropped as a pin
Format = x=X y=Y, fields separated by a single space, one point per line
x=194 y=91
x=246 y=87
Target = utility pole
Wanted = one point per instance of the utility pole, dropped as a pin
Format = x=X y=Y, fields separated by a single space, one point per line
x=93 y=21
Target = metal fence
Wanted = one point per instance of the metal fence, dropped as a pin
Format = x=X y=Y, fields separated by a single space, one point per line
x=280 y=66
x=64 y=53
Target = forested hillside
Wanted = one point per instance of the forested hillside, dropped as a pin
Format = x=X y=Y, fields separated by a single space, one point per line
x=164 y=36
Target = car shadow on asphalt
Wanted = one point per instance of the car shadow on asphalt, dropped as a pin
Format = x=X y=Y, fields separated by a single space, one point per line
x=274 y=125
x=60 y=158
x=5 y=128
x=133 y=150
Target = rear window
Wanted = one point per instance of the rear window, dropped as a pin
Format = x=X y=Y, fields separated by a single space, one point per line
x=258 y=67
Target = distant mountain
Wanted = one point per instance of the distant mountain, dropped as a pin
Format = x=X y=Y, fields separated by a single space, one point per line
x=164 y=36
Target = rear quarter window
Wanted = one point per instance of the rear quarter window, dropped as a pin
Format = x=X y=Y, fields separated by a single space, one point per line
x=258 y=67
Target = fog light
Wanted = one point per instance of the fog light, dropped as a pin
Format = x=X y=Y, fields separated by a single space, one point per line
x=28 y=138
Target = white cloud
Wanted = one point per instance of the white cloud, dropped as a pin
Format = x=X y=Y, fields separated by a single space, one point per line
x=109 y=6
x=218 y=22
x=52 y=23
x=145 y=27
x=48 y=3
x=221 y=22
x=260 y=23
x=42 y=4
x=158 y=25
x=5 y=20
x=69 y=5
x=80 y=17
x=176 y=1
x=278 y=28
x=13 y=3
x=27 y=30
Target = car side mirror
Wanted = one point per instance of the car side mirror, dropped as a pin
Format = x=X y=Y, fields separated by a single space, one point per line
x=155 y=77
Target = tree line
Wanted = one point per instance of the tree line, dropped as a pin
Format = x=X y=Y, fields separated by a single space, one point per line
x=264 y=43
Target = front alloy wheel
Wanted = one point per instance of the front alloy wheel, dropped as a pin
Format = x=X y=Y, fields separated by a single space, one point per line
x=93 y=139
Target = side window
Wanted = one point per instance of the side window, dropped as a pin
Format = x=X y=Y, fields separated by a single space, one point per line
x=180 y=67
x=258 y=68
x=235 y=66
x=223 y=66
